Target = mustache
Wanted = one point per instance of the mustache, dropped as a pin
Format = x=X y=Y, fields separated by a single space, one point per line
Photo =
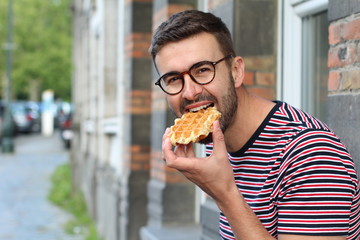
x=200 y=98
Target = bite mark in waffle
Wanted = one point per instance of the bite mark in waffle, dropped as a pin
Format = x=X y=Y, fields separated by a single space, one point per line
x=193 y=126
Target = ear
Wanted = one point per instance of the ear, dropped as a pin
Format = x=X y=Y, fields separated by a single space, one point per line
x=238 y=71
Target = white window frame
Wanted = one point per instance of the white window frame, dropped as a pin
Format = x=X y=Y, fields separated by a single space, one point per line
x=290 y=15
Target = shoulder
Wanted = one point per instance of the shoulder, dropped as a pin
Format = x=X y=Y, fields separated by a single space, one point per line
x=318 y=155
x=312 y=138
x=302 y=129
x=316 y=144
x=295 y=117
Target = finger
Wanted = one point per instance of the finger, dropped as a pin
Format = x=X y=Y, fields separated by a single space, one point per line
x=177 y=159
x=166 y=144
x=218 y=138
x=166 y=133
x=167 y=150
x=182 y=150
x=190 y=152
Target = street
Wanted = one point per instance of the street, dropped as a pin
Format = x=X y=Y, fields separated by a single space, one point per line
x=25 y=212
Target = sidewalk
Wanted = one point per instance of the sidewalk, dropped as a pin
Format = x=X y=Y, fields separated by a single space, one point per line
x=25 y=212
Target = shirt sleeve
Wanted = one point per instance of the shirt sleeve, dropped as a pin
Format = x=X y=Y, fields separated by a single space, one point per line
x=318 y=186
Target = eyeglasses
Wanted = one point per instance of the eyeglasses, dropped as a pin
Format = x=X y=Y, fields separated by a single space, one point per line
x=202 y=73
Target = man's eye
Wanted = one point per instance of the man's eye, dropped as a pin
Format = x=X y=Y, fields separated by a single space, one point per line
x=172 y=80
x=203 y=69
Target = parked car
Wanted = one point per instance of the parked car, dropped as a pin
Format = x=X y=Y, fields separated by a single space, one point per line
x=27 y=116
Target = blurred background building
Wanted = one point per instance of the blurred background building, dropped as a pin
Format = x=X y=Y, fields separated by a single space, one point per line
x=304 y=52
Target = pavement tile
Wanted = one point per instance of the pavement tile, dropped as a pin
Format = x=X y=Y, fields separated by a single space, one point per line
x=25 y=212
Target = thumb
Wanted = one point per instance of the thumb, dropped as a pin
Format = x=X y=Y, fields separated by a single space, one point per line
x=218 y=138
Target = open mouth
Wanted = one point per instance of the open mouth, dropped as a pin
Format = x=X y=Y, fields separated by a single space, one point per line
x=201 y=107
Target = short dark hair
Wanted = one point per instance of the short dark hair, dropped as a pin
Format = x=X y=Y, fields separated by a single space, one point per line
x=188 y=23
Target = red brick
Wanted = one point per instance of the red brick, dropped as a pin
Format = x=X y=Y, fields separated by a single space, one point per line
x=265 y=78
x=140 y=157
x=139 y=102
x=334 y=33
x=263 y=63
x=137 y=45
x=249 y=78
x=333 y=60
x=351 y=54
x=342 y=55
x=351 y=80
x=334 y=81
x=351 y=30
x=162 y=14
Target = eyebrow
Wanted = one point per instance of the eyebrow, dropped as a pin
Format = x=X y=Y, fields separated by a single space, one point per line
x=171 y=73
x=177 y=72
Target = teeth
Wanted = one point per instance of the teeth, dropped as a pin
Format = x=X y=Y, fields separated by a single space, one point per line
x=198 y=108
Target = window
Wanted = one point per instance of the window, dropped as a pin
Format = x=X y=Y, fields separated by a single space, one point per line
x=302 y=50
x=314 y=65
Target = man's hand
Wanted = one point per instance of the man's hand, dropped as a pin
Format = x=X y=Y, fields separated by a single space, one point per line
x=213 y=174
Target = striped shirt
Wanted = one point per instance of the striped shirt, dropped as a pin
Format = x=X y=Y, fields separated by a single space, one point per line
x=297 y=177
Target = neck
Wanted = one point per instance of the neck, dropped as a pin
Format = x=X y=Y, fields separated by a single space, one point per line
x=251 y=112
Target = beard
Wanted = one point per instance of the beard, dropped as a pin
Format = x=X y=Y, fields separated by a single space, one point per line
x=227 y=107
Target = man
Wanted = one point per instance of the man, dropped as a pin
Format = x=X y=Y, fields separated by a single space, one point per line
x=274 y=171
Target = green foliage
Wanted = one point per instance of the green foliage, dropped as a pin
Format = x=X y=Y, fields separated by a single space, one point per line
x=42 y=35
x=3 y=7
x=63 y=195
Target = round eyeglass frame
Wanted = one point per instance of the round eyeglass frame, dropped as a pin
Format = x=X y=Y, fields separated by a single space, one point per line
x=181 y=75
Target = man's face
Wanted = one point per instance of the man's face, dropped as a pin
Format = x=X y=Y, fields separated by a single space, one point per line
x=221 y=93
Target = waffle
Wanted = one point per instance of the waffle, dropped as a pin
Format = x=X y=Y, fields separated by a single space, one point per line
x=193 y=126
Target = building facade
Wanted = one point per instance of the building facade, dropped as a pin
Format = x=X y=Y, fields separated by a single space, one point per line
x=305 y=52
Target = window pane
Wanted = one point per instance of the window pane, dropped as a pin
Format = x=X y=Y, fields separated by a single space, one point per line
x=314 y=62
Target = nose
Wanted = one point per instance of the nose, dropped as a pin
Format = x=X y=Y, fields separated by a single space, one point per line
x=191 y=88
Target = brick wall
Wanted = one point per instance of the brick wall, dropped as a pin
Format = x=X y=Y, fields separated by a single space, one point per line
x=260 y=76
x=257 y=47
x=171 y=206
x=162 y=116
x=344 y=55
x=344 y=73
x=138 y=114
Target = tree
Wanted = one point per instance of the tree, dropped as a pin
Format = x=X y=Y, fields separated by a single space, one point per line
x=42 y=58
x=3 y=7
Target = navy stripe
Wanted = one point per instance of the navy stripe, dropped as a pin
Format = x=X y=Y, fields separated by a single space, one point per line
x=297 y=177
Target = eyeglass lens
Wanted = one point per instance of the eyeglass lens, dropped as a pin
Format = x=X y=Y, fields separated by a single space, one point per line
x=202 y=73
